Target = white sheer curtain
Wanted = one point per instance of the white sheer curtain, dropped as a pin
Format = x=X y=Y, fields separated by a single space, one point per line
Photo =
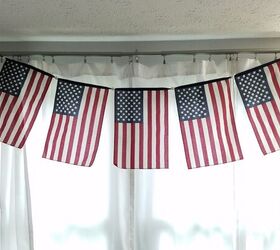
x=15 y=210
x=231 y=206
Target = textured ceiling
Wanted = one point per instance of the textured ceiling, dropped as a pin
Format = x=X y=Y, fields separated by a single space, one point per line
x=99 y=18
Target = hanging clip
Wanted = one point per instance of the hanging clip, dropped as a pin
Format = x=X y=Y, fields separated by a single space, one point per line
x=164 y=61
x=44 y=59
x=130 y=59
x=194 y=58
x=28 y=59
x=137 y=59
x=85 y=59
x=112 y=59
x=237 y=57
x=210 y=58
x=275 y=56
x=136 y=56
x=255 y=56
x=53 y=60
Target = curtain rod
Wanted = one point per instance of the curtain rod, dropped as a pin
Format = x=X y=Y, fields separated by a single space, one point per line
x=140 y=53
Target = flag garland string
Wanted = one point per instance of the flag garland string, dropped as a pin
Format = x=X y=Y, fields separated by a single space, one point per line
x=205 y=112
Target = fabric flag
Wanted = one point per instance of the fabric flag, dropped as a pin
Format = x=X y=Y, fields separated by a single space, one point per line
x=76 y=123
x=260 y=91
x=207 y=123
x=141 y=128
x=22 y=91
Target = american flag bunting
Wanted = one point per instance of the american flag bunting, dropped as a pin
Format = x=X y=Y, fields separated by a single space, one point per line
x=76 y=123
x=22 y=91
x=207 y=123
x=141 y=128
x=260 y=91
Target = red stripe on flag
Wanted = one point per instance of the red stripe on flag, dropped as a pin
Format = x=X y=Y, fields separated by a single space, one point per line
x=62 y=141
x=224 y=108
x=203 y=143
x=274 y=79
x=157 y=129
x=260 y=120
x=256 y=130
x=71 y=140
x=90 y=130
x=124 y=142
x=212 y=141
x=218 y=125
x=56 y=135
x=21 y=105
x=116 y=143
x=82 y=128
x=4 y=102
x=233 y=121
x=141 y=146
x=26 y=115
x=149 y=117
x=6 y=117
x=46 y=148
x=194 y=144
x=184 y=137
x=105 y=96
x=132 y=146
x=276 y=110
x=166 y=160
x=271 y=123
x=37 y=108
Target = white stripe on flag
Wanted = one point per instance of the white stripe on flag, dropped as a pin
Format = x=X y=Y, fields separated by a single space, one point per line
x=6 y=108
x=274 y=120
x=153 y=129
x=128 y=144
x=162 y=128
x=221 y=119
x=137 y=147
x=96 y=123
x=120 y=142
x=189 y=139
x=48 y=155
x=15 y=106
x=227 y=92
x=207 y=141
x=67 y=139
x=267 y=126
x=27 y=104
x=78 y=126
x=213 y=122
x=59 y=136
x=198 y=143
x=271 y=85
x=86 y=123
x=259 y=129
x=145 y=129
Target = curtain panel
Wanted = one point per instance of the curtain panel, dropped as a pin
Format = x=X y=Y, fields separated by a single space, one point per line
x=229 y=206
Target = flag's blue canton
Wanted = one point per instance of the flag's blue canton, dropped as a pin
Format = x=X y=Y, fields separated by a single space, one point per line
x=191 y=103
x=12 y=77
x=129 y=106
x=68 y=98
x=253 y=87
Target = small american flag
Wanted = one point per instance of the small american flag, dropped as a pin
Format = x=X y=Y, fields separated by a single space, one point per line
x=22 y=91
x=260 y=91
x=76 y=123
x=207 y=123
x=141 y=128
